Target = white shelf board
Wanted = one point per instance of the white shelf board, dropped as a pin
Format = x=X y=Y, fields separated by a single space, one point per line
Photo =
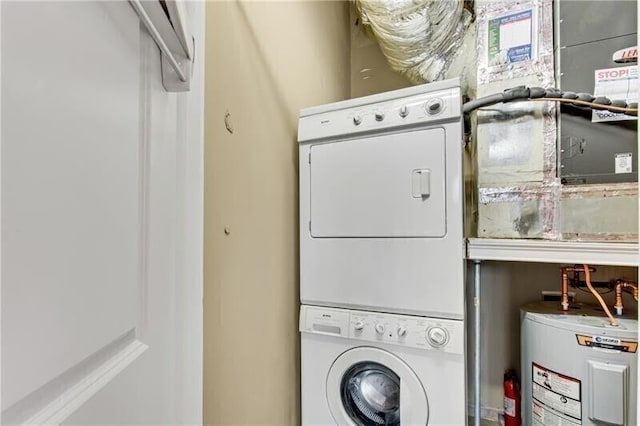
x=595 y=253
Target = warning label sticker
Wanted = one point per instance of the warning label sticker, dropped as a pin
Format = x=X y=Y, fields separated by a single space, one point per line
x=556 y=401
x=544 y=417
x=620 y=83
x=624 y=163
x=556 y=398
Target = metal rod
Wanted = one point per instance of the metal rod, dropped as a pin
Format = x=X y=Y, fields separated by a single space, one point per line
x=144 y=17
x=476 y=343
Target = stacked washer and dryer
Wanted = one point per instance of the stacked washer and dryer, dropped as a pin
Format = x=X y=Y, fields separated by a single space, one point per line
x=382 y=319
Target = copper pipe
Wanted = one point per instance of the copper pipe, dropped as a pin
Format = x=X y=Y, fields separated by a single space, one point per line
x=586 y=104
x=618 y=306
x=578 y=268
x=620 y=286
x=564 y=299
x=587 y=278
x=634 y=289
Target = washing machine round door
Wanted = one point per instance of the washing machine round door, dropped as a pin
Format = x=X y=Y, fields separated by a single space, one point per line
x=370 y=386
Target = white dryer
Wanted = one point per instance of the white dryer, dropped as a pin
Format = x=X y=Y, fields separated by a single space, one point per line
x=381 y=202
x=369 y=368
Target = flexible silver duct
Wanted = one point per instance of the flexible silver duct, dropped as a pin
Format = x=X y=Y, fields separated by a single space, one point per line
x=418 y=37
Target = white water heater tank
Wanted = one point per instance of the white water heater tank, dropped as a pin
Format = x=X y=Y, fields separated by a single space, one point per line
x=576 y=368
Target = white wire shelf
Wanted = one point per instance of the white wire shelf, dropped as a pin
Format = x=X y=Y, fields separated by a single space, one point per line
x=543 y=251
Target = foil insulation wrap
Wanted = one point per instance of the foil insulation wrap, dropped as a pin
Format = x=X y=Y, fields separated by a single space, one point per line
x=424 y=40
x=518 y=192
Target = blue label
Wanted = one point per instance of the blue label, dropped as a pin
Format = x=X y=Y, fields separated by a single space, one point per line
x=519 y=53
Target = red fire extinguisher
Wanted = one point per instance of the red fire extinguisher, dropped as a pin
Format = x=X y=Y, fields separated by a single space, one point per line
x=511 y=398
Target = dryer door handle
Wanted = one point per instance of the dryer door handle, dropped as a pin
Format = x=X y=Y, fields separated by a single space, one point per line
x=421 y=183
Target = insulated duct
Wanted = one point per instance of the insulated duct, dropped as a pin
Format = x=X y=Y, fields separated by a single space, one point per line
x=419 y=38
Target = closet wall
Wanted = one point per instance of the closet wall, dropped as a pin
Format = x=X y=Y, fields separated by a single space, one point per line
x=264 y=61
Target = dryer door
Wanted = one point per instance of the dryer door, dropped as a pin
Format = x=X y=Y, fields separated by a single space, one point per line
x=370 y=386
x=388 y=186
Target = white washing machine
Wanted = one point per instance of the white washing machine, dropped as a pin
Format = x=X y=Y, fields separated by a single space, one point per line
x=369 y=368
x=381 y=202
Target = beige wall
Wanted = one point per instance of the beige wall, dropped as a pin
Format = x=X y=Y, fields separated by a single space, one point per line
x=264 y=61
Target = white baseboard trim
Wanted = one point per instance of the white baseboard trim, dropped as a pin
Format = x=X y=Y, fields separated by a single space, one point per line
x=490 y=414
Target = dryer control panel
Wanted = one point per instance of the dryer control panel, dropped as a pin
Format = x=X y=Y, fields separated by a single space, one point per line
x=421 y=108
x=405 y=330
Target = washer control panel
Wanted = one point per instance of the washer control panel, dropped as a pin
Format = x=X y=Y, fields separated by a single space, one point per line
x=407 y=330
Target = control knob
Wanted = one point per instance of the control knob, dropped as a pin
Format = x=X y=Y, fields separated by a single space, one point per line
x=402 y=331
x=434 y=106
x=404 y=111
x=359 y=325
x=380 y=328
x=437 y=336
x=357 y=120
x=379 y=116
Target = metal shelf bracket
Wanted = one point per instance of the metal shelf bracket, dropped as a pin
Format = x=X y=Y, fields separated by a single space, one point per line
x=169 y=29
